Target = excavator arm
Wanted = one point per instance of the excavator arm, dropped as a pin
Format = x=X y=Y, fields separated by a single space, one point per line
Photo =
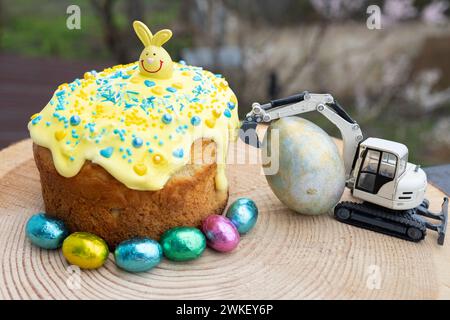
x=302 y=103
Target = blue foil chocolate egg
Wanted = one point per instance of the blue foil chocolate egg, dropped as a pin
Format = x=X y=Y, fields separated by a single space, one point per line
x=243 y=213
x=46 y=232
x=138 y=254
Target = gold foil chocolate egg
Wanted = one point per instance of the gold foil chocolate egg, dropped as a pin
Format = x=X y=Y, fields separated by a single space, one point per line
x=85 y=250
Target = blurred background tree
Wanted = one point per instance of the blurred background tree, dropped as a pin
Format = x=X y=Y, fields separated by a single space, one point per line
x=395 y=81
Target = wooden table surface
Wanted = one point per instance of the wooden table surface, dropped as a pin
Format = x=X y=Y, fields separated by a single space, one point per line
x=286 y=256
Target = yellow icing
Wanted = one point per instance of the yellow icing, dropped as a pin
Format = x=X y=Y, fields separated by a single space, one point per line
x=120 y=104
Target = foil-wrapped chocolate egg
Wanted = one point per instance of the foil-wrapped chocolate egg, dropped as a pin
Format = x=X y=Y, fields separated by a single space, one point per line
x=138 y=254
x=85 y=250
x=46 y=232
x=183 y=243
x=243 y=213
x=221 y=234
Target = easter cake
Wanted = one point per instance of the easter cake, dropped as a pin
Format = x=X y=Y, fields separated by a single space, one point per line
x=136 y=149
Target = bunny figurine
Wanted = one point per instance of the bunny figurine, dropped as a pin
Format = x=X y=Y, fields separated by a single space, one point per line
x=154 y=60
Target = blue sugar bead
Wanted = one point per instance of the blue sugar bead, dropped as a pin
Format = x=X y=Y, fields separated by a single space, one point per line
x=166 y=118
x=195 y=120
x=231 y=105
x=227 y=113
x=36 y=120
x=107 y=152
x=178 y=153
x=137 y=142
x=149 y=83
x=171 y=89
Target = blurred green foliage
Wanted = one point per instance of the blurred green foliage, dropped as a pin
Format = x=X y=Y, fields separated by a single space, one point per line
x=38 y=28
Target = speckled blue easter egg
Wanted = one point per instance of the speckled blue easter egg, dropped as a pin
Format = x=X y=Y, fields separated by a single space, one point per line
x=138 y=254
x=46 y=232
x=305 y=169
x=243 y=213
x=183 y=243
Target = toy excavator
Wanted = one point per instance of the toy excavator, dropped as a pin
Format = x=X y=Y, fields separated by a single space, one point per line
x=377 y=171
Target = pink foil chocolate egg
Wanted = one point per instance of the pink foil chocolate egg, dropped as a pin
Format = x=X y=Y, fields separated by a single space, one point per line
x=220 y=232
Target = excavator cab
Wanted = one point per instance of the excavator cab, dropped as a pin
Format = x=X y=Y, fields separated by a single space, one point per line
x=383 y=175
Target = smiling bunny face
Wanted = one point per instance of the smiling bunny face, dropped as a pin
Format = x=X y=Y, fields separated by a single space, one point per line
x=154 y=60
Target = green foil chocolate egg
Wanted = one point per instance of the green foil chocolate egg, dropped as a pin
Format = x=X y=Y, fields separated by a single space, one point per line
x=183 y=243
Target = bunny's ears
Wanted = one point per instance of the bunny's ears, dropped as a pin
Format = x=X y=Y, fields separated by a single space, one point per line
x=147 y=38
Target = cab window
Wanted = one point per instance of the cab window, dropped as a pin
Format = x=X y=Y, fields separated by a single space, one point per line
x=371 y=161
x=388 y=165
x=402 y=164
x=378 y=169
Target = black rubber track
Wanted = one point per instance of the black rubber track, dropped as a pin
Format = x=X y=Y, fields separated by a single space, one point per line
x=397 y=219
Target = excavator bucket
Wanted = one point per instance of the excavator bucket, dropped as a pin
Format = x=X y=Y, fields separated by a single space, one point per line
x=247 y=133
x=441 y=227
